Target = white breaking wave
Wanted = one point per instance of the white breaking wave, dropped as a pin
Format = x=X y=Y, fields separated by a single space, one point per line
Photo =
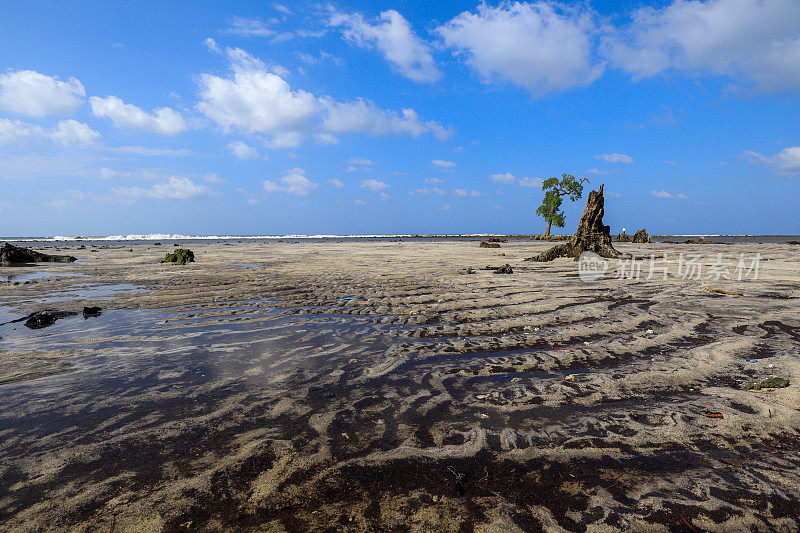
x=177 y=236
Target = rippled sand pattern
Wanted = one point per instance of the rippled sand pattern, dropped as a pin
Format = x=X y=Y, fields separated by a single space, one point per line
x=364 y=386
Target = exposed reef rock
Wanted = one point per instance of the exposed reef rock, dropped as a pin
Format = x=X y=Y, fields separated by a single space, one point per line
x=623 y=237
x=485 y=244
x=14 y=255
x=641 y=236
x=181 y=256
x=591 y=235
x=42 y=319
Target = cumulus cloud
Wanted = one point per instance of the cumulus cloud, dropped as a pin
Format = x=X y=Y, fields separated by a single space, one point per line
x=669 y=196
x=757 y=40
x=786 y=162
x=164 y=120
x=506 y=178
x=434 y=181
x=461 y=193
x=363 y=116
x=530 y=182
x=598 y=172
x=176 y=188
x=615 y=158
x=293 y=182
x=541 y=46
x=257 y=100
x=336 y=183
x=393 y=36
x=443 y=164
x=374 y=185
x=65 y=133
x=242 y=150
x=31 y=93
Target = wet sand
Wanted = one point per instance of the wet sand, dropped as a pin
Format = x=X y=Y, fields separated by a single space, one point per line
x=369 y=385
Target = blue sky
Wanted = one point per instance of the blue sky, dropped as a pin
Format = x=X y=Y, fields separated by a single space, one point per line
x=406 y=117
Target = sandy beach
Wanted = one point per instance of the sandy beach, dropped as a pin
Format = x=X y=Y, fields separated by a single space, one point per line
x=289 y=386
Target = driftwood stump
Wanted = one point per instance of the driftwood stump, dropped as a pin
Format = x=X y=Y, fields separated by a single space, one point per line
x=591 y=235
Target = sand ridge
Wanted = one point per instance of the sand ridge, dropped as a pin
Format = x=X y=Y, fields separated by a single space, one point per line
x=351 y=385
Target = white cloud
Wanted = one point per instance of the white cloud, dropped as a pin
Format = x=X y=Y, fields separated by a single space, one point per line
x=446 y=207
x=507 y=178
x=598 y=172
x=758 y=40
x=426 y=191
x=249 y=28
x=542 y=46
x=284 y=139
x=213 y=177
x=144 y=150
x=669 y=196
x=363 y=116
x=336 y=183
x=176 y=188
x=65 y=133
x=530 y=182
x=164 y=120
x=786 y=162
x=374 y=185
x=434 y=181
x=326 y=138
x=293 y=182
x=361 y=162
x=359 y=202
x=73 y=133
x=282 y=8
x=242 y=150
x=256 y=100
x=393 y=36
x=443 y=164
x=30 y=93
x=615 y=158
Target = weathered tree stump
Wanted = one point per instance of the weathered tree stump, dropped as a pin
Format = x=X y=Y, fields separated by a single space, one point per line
x=591 y=235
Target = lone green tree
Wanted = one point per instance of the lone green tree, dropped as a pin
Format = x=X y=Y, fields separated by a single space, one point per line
x=556 y=189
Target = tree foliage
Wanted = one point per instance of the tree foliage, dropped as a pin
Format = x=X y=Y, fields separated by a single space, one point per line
x=555 y=191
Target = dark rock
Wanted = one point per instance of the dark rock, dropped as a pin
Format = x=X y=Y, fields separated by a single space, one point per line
x=89 y=312
x=505 y=269
x=42 y=319
x=792 y=242
x=467 y=271
x=623 y=237
x=485 y=244
x=591 y=235
x=13 y=255
x=181 y=256
x=494 y=239
x=641 y=236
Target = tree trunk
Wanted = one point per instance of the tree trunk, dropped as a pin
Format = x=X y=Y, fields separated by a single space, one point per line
x=591 y=235
x=547 y=231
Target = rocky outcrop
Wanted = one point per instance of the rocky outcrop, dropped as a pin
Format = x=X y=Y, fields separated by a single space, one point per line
x=181 y=256
x=641 y=236
x=14 y=255
x=42 y=319
x=592 y=235
x=623 y=237
x=485 y=244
